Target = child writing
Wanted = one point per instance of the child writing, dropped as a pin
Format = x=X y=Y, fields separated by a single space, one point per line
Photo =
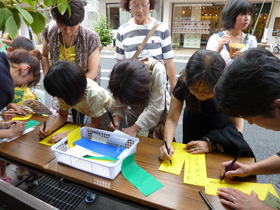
x=204 y=128
x=67 y=81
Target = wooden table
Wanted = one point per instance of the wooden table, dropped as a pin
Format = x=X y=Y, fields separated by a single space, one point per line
x=174 y=195
x=26 y=150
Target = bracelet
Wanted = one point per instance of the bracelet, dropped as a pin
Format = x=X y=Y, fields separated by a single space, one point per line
x=210 y=143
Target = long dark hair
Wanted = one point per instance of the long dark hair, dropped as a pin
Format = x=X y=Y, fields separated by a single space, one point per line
x=204 y=66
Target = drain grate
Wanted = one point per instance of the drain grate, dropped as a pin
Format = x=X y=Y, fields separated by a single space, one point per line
x=62 y=197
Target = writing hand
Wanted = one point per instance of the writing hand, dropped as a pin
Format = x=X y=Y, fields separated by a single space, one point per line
x=163 y=155
x=111 y=126
x=238 y=169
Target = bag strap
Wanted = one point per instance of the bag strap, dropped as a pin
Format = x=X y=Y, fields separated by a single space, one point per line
x=142 y=45
x=227 y=45
x=151 y=72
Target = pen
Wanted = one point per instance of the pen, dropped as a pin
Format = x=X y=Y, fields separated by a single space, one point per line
x=14 y=123
x=111 y=118
x=167 y=149
x=20 y=114
x=229 y=167
x=44 y=128
x=206 y=201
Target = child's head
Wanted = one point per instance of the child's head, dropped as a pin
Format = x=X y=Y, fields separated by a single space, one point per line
x=130 y=82
x=66 y=80
x=232 y=9
x=25 y=67
x=21 y=43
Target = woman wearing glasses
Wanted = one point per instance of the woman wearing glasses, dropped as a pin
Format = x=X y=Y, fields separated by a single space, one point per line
x=131 y=34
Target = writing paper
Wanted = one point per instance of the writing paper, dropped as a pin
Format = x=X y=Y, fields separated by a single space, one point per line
x=22 y=117
x=137 y=176
x=73 y=136
x=177 y=159
x=195 y=169
x=65 y=128
x=103 y=149
x=212 y=185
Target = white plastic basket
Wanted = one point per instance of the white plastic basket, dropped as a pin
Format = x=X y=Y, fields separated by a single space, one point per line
x=104 y=169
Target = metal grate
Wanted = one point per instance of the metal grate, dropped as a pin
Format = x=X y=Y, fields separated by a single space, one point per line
x=62 y=197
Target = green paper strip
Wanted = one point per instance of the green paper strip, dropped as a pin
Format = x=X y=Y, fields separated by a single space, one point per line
x=31 y=123
x=137 y=176
x=100 y=158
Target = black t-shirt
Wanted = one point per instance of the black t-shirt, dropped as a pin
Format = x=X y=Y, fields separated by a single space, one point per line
x=6 y=82
x=198 y=124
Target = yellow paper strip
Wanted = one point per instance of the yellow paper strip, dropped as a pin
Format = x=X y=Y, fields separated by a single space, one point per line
x=212 y=185
x=177 y=160
x=195 y=169
x=22 y=117
x=73 y=136
x=67 y=127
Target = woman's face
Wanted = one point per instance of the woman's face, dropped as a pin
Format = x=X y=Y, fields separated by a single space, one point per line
x=140 y=10
x=20 y=74
x=242 y=21
x=67 y=31
x=201 y=91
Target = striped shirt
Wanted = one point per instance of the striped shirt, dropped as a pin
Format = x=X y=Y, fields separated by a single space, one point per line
x=131 y=35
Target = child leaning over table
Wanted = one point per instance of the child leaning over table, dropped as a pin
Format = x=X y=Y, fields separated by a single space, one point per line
x=67 y=81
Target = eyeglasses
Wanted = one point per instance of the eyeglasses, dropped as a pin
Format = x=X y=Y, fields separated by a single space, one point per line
x=135 y=7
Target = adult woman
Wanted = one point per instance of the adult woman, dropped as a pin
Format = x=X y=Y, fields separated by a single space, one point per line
x=131 y=34
x=66 y=39
x=204 y=128
x=140 y=85
x=20 y=68
x=236 y=16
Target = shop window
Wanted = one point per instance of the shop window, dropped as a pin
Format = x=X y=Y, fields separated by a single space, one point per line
x=276 y=28
x=116 y=16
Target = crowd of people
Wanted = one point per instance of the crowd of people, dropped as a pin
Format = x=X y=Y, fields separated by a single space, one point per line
x=220 y=88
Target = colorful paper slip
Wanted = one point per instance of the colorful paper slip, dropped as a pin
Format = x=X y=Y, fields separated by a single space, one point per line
x=177 y=159
x=73 y=136
x=22 y=117
x=137 y=176
x=195 y=169
x=272 y=201
x=65 y=128
x=100 y=148
x=212 y=185
x=31 y=123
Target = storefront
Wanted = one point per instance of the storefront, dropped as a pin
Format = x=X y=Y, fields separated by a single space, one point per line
x=191 y=24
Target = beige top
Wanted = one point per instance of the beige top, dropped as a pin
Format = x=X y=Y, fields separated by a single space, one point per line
x=154 y=111
x=95 y=102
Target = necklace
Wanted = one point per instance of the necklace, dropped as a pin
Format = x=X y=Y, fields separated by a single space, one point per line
x=66 y=53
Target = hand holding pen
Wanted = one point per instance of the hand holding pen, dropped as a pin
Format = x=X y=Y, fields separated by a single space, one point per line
x=231 y=164
x=167 y=149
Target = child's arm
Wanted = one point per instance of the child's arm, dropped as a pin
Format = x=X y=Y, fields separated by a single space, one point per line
x=17 y=108
x=14 y=129
x=95 y=122
x=8 y=114
x=56 y=123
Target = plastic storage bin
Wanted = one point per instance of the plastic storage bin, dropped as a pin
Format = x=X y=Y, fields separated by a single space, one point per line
x=104 y=169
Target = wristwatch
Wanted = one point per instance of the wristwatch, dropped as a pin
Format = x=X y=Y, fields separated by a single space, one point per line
x=210 y=143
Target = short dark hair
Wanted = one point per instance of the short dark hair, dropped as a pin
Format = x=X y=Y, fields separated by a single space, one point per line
x=22 y=43
x=32 y=58
x=232 y=9
x=130 y=82
x=77 y=14
x=66 y=80
x=125 y=4
x=249 y=85
x=203 y=66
